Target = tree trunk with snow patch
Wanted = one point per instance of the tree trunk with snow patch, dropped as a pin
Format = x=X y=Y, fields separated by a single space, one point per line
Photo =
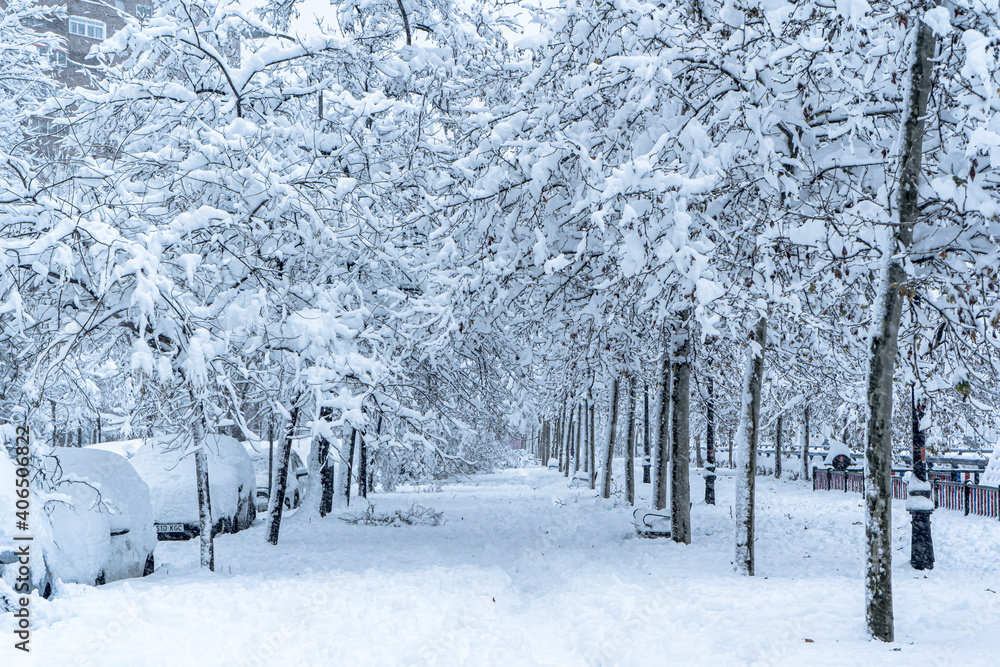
x=277 y=502
x=777 y=449
x=710 y=446
x=646 y=451
x=568 y=445
x=680 y=442
x=592 y=437
x=805 y=443
x=609 y=453
x=746 y=440
x=660 y=471
x=350 y=465
x=630 y=444
x=878 y=450
x=205 y=524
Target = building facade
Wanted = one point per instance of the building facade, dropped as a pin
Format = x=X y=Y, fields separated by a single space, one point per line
x=86 y=23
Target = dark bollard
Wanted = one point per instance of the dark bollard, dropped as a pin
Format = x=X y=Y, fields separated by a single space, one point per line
x=921 y=545
x=919 y=502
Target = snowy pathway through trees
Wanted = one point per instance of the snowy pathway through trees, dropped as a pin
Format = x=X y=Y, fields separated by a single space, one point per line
x=525 y=571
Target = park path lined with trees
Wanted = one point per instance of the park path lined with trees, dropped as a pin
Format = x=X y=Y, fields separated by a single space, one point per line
x=421 y=229
x=524 y=569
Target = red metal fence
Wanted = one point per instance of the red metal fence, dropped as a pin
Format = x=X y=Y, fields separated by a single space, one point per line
x=955 y=491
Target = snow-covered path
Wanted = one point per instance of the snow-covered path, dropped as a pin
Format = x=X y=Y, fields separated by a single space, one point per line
x=526 y=571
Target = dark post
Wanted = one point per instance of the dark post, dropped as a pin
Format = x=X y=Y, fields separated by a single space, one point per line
x=710 y=447
x=919 y=503
x=645 y=436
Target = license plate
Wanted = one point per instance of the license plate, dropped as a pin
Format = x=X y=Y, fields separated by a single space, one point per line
x=170 y=527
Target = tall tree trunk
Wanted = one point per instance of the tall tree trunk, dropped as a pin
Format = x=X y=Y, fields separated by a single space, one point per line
x=350 y=465
x=609 y=454
x=878 y=450
x=205 y=537
x=777 y=449
x=270 y=457
x=630 y=444
x=277 y=503
x=698 y=461
x=341 y=468
x=806 y=470
x=660 y=472
x=746 y=472
x=710 y=446
x=560 y=428
x=541 y=446
x=362 y=467
x=319 y=451
x=680 y=445
x=568 y=445
x=646 y=451
x=546 y=429
x=321 y=482
x=363 y=460
x=580 y=442
x=592 y=438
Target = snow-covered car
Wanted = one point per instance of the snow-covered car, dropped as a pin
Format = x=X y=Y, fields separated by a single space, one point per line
x=167 y=465
x=297 y=474
x=96 y=520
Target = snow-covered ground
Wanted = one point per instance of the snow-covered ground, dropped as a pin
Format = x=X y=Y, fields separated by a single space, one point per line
x=525 y=571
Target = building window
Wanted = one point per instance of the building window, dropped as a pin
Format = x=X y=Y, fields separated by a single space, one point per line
x=144 y=11
x=86 y=27
x=57 y=57
x=41 y=125
x=120 y=5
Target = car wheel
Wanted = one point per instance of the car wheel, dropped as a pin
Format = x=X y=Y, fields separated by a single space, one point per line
x=100 y=581
x=288 y=503
x=150 y=565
